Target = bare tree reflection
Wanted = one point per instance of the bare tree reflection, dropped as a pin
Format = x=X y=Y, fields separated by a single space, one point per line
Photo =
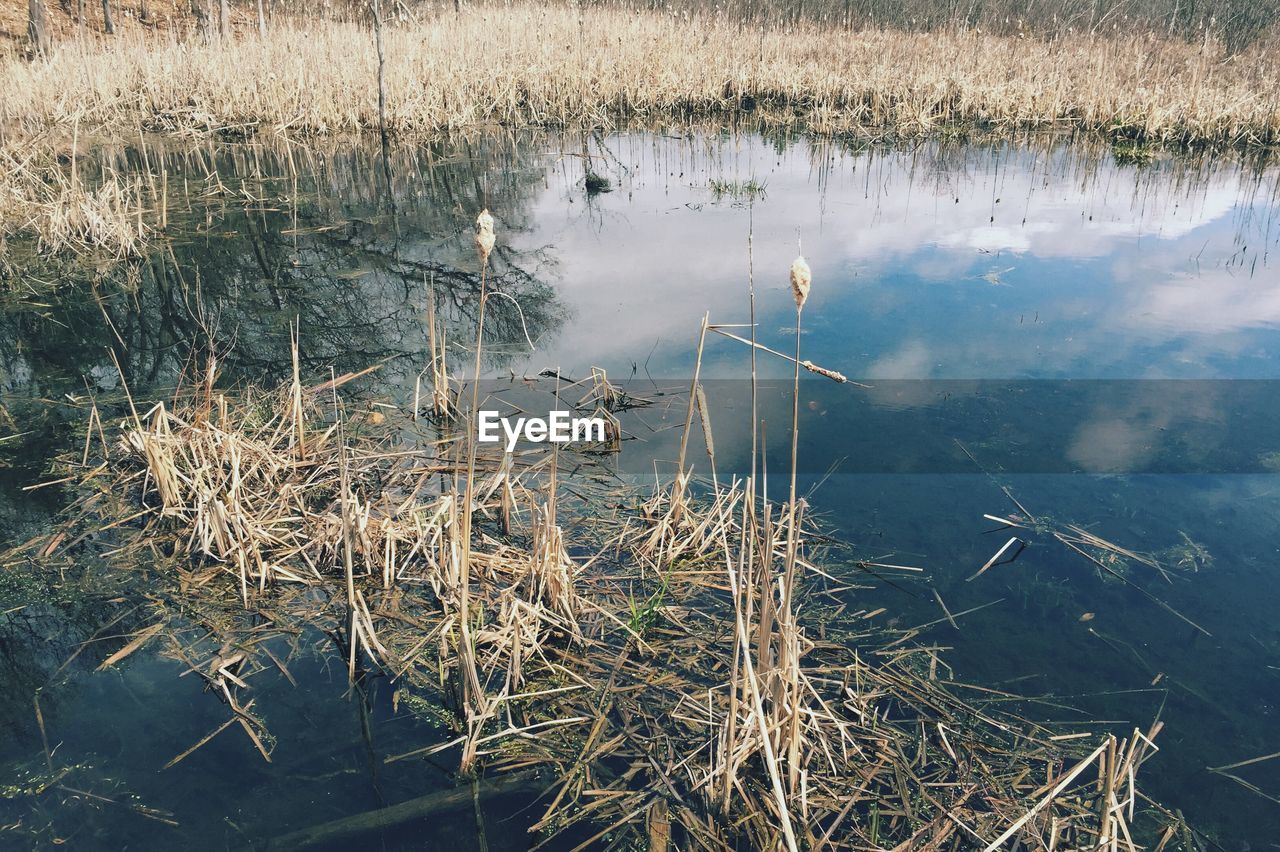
x=279 y=235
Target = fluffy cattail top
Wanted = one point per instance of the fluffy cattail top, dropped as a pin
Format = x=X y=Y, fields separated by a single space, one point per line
x=800 y=279
x=484 y=235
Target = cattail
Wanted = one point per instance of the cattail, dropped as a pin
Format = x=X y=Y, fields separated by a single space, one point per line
x=484 y=235
x=800 y=278
x=823 y=371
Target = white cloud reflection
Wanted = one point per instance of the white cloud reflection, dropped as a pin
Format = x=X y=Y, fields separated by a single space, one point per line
x=1110 y=270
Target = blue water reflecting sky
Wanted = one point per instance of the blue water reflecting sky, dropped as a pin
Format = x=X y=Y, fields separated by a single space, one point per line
x=977 y=262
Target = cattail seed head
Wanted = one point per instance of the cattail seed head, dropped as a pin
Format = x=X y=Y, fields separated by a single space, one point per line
x=800 y=280
x=484 y=235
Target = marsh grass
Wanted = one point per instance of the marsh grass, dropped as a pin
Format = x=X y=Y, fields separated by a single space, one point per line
x=614 y=670
x=679 y=662
x=49 y=200
x=605 y=66
x=609 y=65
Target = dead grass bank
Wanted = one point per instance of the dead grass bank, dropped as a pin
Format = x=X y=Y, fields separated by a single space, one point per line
x=526 y=64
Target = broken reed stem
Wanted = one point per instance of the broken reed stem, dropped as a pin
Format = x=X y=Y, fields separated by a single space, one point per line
x=348 y=568
x=44 y=737
x=1047 y=800
x=704 y=415
x=693 y=392
x=443 y=404
x=296 y=393
x=752 y=685
x=834 y=375
x=1107 y=765
x=736 y=590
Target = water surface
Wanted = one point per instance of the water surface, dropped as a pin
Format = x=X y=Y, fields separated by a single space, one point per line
x=1034 y=322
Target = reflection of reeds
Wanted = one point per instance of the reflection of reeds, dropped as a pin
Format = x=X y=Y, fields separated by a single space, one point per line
x=443 y=395
x=632 y=67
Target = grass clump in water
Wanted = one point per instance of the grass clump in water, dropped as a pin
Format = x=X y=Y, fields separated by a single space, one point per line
x=504 y=606
x=737 y=190
x=597 y=184
x=48 y=199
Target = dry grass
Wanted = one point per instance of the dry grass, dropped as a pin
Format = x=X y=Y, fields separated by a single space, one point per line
x=712 y=711
x=527 y=64
x=524 y=64
x=45 y=199
x=681 y=665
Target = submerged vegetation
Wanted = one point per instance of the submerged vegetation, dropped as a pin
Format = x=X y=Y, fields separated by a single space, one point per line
x=738 y=190
x=48 y=200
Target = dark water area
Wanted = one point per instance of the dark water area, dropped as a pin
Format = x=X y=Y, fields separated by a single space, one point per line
x=1034 y=329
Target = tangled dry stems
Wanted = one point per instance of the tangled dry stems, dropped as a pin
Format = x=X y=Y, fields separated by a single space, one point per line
x=40 y=197
x=523 y=63
x=725 y=708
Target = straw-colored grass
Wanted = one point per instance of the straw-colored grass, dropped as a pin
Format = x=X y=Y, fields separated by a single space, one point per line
x=524 y=64
x=678 y=663
x=529 y=64
x=51 y=203
x=714 y=711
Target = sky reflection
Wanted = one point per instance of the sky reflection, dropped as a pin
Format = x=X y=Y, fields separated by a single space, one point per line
x=998 y=262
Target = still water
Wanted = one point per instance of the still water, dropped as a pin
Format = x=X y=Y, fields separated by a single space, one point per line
x=1099 y=341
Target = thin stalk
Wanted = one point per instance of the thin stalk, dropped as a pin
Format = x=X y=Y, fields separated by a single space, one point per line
x=751 y=294
x=693 y=392
x=741 y=597
x=345 y=505
x=795 y=448
x=473 y=690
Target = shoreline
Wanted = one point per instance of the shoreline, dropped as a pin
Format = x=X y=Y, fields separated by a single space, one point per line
x=78 y=194
x=556 y=69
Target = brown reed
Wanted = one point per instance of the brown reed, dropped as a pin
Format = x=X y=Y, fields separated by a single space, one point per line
x=708 y=715
x=609 y=65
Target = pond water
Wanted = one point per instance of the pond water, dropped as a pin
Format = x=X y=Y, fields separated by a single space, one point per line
x=1036 y=322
